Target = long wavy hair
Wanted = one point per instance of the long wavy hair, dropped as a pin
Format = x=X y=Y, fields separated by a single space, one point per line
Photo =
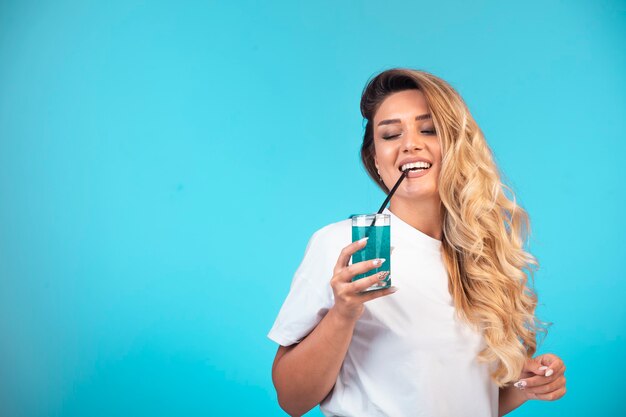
x=484 y=229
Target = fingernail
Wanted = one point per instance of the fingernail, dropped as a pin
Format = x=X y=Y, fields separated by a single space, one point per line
x=520 y=384
x=363 y=240
x=393 y=289
x=543 y=368
x=549 y=372
x=383 y=275
x=379 y=261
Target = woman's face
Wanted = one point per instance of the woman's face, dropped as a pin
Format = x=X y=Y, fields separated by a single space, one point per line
x=404 y=136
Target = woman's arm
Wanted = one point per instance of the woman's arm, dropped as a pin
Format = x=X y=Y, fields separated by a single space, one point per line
x=510 y=399
x=305 y=373
x=542 y=378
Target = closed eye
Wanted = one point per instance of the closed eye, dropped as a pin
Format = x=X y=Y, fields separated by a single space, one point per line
x=390 y=137
x=424 y=132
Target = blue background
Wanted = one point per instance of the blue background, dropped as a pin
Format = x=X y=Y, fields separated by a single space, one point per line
x=163 y=165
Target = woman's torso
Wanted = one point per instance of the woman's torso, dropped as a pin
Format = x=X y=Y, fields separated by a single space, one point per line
x=410 y=355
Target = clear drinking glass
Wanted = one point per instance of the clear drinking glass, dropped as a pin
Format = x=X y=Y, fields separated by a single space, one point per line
x=377 y=228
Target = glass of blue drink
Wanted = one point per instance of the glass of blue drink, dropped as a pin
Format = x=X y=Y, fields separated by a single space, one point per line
x=377 y=228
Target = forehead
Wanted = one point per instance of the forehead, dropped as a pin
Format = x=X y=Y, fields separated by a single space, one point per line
x=403 y=104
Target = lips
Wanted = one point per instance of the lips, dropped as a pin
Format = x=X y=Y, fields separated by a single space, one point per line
x=414 y=164
x=415 y=173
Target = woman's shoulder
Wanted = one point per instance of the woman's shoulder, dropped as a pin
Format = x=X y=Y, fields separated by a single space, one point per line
x=340 y=227
x=323 y=249
x=333 y=235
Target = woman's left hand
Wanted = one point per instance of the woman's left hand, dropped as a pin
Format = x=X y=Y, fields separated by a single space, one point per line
x=543 y=378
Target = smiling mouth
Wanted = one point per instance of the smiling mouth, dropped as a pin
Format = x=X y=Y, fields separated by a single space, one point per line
x=415 y=166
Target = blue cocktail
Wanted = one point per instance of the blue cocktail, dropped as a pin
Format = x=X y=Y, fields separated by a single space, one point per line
x=377 y=228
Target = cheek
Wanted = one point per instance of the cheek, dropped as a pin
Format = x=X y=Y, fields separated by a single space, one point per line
x=383 y=155
x=436 y=149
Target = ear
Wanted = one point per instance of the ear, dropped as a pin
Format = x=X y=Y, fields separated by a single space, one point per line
x=376 y=162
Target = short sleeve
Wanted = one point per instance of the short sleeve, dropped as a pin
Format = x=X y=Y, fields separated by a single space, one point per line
x=310 y=296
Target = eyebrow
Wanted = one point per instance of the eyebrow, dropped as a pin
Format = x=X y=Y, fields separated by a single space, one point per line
x=392 y=121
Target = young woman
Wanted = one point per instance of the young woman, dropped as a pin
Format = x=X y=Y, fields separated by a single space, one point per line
x=457 y=334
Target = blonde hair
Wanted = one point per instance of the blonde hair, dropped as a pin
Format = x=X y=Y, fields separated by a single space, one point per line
x=484 y=229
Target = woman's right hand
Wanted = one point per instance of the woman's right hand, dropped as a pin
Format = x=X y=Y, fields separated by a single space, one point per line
x=348 y=297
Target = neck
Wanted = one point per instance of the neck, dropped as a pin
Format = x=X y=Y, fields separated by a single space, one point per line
x=424 y=215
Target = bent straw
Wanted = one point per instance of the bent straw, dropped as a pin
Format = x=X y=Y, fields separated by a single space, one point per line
x=393 y=190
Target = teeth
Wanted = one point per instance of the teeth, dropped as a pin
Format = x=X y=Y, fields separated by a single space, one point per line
x=415 y=165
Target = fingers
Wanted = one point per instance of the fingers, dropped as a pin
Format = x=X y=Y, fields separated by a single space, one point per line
x=350 y=297
x=347 y=252
x=350 y=294
x=357 y=289
x=547 y=358
x=540 y=380
x=551 y=364
x=549 y=387
x=362 y=267
x=555 y=395
x=544 y=365
x=533 y=367
x=372 y=295
x=549 y=380
x=346 y=274
x=364 y=283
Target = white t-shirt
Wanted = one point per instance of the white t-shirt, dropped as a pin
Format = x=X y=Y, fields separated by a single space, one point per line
x=409 y=354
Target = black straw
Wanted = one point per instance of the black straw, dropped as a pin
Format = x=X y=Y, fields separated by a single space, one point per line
x=393 y=190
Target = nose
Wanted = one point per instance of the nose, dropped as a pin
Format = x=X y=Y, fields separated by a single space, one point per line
x=413 y=141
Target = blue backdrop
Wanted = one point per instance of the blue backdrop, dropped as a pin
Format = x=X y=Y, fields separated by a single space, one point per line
x=163 y=165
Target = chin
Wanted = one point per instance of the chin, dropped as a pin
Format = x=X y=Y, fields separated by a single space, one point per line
x=418 y=194
x=414 y=188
